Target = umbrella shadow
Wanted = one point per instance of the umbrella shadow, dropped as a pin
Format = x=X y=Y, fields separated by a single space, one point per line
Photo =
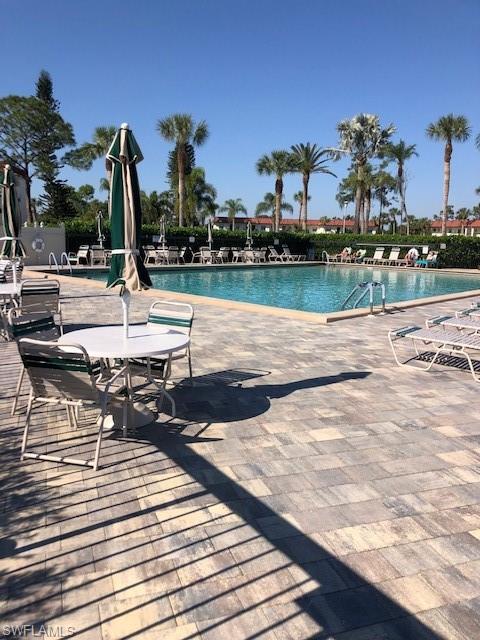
x=221 y=396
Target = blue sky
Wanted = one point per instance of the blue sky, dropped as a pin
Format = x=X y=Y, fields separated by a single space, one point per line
x=264 y=74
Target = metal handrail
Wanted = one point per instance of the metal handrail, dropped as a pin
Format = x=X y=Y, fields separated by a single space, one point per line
x=53 y=260
x=366 y=288
x=64 y=257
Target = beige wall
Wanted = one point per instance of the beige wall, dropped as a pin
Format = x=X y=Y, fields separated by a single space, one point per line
x=40 y=241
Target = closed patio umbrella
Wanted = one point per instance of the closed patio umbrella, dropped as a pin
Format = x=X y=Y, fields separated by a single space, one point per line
x=249 y=234
x=126 y=268
x=163 y=232
x=12 y=247
x=209 y=234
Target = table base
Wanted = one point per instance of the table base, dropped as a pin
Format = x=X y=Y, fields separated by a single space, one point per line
x=139 y=416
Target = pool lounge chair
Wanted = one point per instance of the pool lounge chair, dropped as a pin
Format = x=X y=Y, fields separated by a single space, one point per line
x=293 y=257
x=377 y=256
x=465 y=323
x=436 y=343
x=97 y=256
x=359 y=255
x=429 y=262
x=274 y=256
x=392 y=259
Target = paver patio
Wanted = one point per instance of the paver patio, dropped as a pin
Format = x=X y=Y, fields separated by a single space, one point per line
x=309 y=488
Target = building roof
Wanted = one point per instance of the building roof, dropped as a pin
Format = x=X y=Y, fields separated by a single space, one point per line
x=287 y=222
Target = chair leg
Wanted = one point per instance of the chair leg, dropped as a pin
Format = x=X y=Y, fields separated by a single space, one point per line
x=190 y=365
x=99 y=440
x=27 y=426
x=17 y=391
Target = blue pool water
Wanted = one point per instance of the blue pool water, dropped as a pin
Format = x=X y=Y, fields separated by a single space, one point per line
x=310 y=288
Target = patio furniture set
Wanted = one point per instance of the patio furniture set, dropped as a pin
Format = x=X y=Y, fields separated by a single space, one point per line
x=90 y=368
x=410 y=259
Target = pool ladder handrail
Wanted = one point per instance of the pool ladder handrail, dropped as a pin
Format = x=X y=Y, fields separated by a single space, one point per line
x=64 y=260
x=364 y=288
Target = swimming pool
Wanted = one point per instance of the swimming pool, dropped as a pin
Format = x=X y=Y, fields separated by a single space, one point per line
x=320 y=288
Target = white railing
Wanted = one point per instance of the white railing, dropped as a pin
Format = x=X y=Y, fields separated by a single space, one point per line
x=365 y=288
x=65 y=260
x=52 y=260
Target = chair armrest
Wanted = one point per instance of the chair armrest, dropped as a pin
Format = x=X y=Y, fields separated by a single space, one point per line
x=403 y=331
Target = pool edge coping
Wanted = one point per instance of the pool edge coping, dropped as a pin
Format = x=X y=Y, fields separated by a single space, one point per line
x=308 y=316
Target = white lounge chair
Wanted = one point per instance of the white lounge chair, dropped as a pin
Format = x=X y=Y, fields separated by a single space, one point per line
x=63 y=375
x=392 y=259
x=377 y=256
x=292 y=257
x=274 y=256
x=468 y=324
x=436 y=342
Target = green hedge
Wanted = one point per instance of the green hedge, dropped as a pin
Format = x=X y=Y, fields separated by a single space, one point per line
x=460 y=252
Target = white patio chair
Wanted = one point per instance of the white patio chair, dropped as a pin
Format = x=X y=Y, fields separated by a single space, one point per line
x=182 y=253
x=206 y=255
x=150 y=254
x=6 y=270
x=41 y=295
x=436 y=343
x=82 y=254
x=173 y=255
x=237 y=255
x=63 y=375
x=97 y=255
x=223 y=254
x=38 y=325
x=175 y=316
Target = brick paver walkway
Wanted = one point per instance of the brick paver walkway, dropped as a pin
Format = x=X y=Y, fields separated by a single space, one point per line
x=309 y=488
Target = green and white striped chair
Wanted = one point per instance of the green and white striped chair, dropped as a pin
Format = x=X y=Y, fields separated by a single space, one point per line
x=37 y=325
x=42 y=295
x=176 y=316
x=63 y=375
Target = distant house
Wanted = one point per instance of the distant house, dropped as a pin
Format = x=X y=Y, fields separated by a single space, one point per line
x=265 y=223
x=457 y=227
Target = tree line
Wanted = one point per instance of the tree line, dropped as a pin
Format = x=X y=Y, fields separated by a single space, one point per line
x=33 y=134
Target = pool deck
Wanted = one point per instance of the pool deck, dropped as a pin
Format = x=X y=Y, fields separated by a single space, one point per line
x=309 y=488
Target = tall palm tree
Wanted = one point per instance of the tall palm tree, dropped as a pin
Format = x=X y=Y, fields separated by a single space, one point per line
x=308 y=159
x=400 y=153
x=232 y=208
x=85 y=155
x=278 y=163
x=383 y=184
x=181 y=129
x=448 y=129
x=268 y=206
x=298 y=198
x=362 y=137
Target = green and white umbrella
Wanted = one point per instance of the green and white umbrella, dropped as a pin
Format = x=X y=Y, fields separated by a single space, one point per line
x=209 y=234
x=12 y=247
x=126 y=268
x=249 y=234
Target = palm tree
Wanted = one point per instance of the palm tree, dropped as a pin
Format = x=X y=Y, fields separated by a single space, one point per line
x=278 y=163
x=298 y=198
x=200 y=197
x=383 y=185
x=477 y=141
x=400 y=153
x=181 y=129
x=448 y=129
x=362 y=137
x=308 y=159
x=84 y=156
x=233 y=207
x=268 y=206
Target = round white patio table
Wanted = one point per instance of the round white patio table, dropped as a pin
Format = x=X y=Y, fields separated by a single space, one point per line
x=143 y=341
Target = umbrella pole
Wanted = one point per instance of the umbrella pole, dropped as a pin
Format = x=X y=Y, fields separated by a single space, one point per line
x=125 y=298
